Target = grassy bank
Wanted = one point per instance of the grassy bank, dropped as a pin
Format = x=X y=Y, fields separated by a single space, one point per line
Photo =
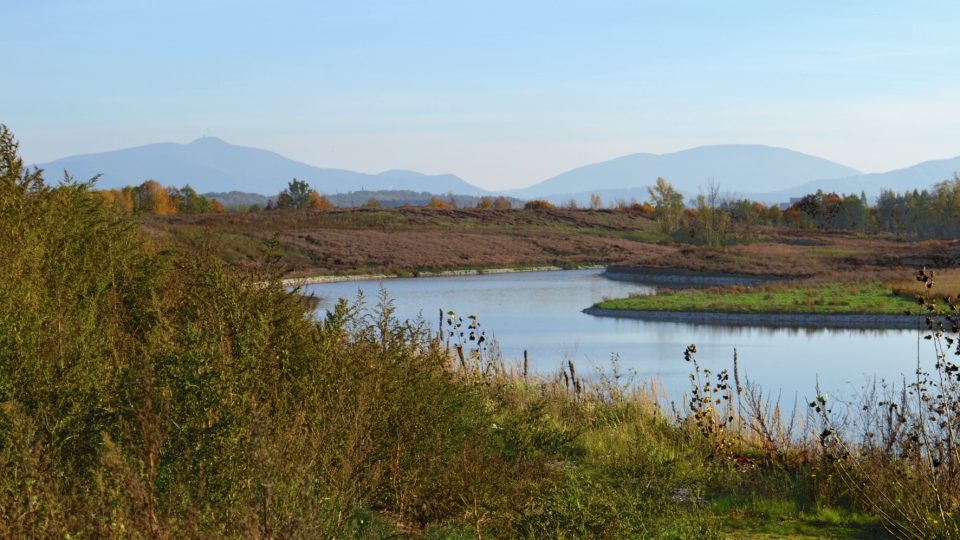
x=154 y=391
x=851 y=298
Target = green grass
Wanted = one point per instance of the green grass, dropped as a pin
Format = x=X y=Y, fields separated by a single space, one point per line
x=868 y=298
x=760 y=517
x=162 y=393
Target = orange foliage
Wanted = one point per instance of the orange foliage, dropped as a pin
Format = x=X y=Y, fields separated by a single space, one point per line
x=502 y=203
x=154 y=199
x=437 y=203
x=315 y=201
x=538 y=204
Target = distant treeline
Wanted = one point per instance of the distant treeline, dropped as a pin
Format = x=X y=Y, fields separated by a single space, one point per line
x=708 y=219
x=151 y=198
x=402 y=198
x=712 y=220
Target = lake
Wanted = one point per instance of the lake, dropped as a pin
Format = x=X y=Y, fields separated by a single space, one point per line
x=541 y=312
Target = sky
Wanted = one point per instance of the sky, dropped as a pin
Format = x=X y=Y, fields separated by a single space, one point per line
x=501 y=93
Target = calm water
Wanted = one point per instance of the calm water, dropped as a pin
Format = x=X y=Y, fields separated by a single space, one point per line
x=541 y=312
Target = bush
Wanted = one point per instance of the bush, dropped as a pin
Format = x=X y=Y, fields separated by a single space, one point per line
x=151 y=390
x=538 y=204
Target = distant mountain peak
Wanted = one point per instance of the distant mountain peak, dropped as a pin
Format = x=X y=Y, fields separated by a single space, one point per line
x=400 y=173
x=208 y=139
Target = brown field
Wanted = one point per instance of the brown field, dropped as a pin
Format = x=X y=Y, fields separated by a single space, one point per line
x=407 y=241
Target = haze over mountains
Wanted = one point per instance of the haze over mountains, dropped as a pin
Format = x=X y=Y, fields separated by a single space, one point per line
x=764 y=173
x=736 y=167
x=209 y=164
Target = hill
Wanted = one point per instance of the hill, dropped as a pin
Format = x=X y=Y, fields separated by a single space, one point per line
x=212 y=165
x=920 y=176
x=736 y=167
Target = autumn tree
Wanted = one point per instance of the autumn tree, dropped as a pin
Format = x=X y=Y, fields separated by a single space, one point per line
x=538 y=204
x=437 y=203
x=152 y=198
x=668 y=206
x=502 y=203
x=118 y=200
x=315 y=201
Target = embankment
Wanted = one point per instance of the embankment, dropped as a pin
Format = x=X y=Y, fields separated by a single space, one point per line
x=777 y=320
x=676 y=277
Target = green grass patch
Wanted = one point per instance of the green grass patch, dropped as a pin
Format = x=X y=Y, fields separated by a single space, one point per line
x=866 y=298
x=758 y=516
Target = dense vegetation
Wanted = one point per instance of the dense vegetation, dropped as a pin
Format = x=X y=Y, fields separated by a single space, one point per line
x=713 y=220
x=150 y=198
x=151 y=391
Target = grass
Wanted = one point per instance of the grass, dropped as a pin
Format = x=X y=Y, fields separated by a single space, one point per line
x=151 y=390
x=946 y=283
x=407 y=240
x=867 y=298
x=759 y=517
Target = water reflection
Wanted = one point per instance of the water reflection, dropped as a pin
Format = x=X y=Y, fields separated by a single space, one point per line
x=541 y=312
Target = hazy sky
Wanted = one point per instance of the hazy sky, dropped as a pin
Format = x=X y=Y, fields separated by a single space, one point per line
x=503 y=94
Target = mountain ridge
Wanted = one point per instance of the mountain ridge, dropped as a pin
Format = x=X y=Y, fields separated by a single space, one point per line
x=764 y=173
x=736 y=167
x=210 y=164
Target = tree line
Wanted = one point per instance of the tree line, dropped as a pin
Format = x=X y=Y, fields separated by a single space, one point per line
x=150 y=198
x=712 y=220
x=707 y=219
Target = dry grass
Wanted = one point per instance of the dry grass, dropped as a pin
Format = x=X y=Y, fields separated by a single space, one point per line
x=408 y=240
x=946 y=283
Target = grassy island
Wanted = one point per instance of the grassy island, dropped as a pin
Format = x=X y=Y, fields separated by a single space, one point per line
x=849 y=298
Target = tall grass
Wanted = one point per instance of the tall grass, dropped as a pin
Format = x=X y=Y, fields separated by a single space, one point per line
x=149 y=391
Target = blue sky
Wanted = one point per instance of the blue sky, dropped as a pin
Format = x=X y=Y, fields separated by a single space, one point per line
x=503 y=94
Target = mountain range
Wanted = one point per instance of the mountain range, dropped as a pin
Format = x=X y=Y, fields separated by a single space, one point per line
x=735 y=167
x=209 y=164
x=764 y=173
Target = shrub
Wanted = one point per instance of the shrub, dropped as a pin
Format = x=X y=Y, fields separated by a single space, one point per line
x=438 y=203
x=538 y=204
x=156 y=391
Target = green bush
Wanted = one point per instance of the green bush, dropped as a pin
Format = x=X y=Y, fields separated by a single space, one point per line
x=157 y=391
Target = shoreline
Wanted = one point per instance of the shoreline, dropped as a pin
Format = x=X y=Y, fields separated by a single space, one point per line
x=684 y=277
x=318 y=280
x=855 y=321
